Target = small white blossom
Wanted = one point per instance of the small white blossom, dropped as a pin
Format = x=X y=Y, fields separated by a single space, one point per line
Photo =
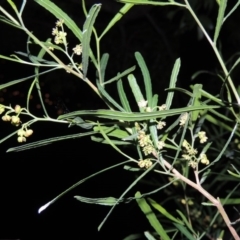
x=142 y=103
x=78 y=49
x=161 y=125
x=162 y=107
x=202 y=136
x=161 y=144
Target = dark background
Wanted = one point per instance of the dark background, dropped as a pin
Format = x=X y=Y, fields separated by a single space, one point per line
x=31 y=178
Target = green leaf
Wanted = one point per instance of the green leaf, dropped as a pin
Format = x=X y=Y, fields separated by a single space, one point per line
x=8 y=84
x=132 y=117
x=103 y=64
x=146 y=77
x=220 y=124
x=58 y=13
x=196 y=101
x=146 y=209
x=48 y=141
x=81 y=123
x=14 y=7
x=115 y=142
x=120 y=75
x=37 y=59
x=45 y=206
x=109 y=141
x=221 y=11
x=126 y=191
x=186 y=221
x=232 y=10
x=233 y=174
x=152 y=3
x=117 y=17
x=108 y=201
x=154 y=101
x=123 y=97
x=9 y=22
x=108 y=98
x=173 y=81
x=163 y=211
x=87 y=32
x=112 y=131
x=229 y=201
x=184 y=231
x=136 y=90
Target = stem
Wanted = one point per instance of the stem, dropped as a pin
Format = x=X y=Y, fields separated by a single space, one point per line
x=215 y=51
x=215 y=201
x=68 y=69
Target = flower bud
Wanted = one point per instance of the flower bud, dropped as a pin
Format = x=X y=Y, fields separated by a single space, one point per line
x=6 y=118
x=28 y=133
x=15 y=120
x=17 y=109
x=21 y=132
x=21 y=139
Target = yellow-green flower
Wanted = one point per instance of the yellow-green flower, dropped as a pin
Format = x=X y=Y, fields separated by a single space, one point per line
x=78 y=49
x=203 y=159
x=21 y=139
x=2 y=108
x=15 y=121
x=17 y=109
x=28 y=132
x=202 y=136
x=6 y=118
x=161 y=144
x=148 y=149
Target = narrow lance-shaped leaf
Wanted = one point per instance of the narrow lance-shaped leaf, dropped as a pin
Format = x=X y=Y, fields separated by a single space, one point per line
x=136 y=90
x=87 y=32
x=108 y=98
x=103 y=64
x=221 y=11
x=150 y=215
x=184 y=231
x=58 y=13
x=196 y=101
x=5 y=85
x=123 y=96
x=173 y=81
x=163 y=211
x=146 y=77
x=108 y=201
x=120 y=75
x=185 y=220
x=144 y=2
x=126 y=116
x=117 y=17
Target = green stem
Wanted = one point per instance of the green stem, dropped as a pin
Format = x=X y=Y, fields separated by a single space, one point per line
x=68 y=69
x=215 y=51
x=10 y=16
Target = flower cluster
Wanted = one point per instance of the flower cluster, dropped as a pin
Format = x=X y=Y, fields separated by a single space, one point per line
x=78 y=49
x=191 y=152
x=60 y=35
x=202 y=137
x=183 y=119
x=147 y=163
x=15 y=120
x=22 y=134
x=145 y=141
x=143 y=104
